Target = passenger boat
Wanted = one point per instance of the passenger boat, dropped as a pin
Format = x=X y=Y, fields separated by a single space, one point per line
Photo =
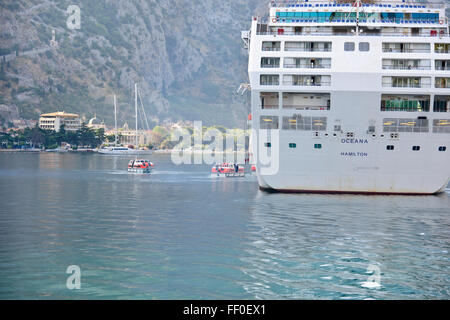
x=140 y=166
x=118 y=151
x=228 y=170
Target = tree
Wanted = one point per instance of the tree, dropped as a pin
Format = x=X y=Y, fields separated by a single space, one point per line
x=100 y=134
x=72 y=138
x=37 y=137
x=89 y=137
x=161 y=131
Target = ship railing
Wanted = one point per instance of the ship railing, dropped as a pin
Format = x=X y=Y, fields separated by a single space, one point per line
x=306 y=66
x=270 y=83
x=271 y=49
x=301 y=107
x=407 y=67
x=392 y=50
x=270 y=65
x=442 y=68
x=399 y=34
x=307 y=84
x=415 y=85
x=338 y=4
x=361 y=21
x=300 y=49
x=269 y=106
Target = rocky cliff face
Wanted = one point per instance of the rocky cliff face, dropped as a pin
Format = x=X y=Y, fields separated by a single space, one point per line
x=186 y=55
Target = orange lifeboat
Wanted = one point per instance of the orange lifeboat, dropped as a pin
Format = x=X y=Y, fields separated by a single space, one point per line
x=228 y=170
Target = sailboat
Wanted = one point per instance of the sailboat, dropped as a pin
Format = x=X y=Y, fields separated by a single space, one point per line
x=120 y=150
x=139 y=165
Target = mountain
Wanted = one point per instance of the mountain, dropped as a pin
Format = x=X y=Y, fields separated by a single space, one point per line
x=186 y=56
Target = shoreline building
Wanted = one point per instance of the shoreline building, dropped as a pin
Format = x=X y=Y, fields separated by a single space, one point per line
x=54 y=121
x=95 y=124
x=127 y=136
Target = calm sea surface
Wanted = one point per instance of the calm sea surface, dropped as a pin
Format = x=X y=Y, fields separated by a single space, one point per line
x=179 y=234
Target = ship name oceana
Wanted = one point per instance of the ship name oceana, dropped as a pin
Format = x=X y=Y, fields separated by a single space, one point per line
x=354 y=141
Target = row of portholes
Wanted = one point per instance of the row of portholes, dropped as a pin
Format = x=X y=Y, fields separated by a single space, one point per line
x=417 y=148
x=388 y=147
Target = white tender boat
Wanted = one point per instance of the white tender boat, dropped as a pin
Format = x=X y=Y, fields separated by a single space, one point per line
x=140 y=166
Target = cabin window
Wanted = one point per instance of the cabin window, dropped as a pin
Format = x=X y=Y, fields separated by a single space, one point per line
x=442 y=148
x=268 y=122
x=405 y=125
x=271 y=46
x=364 y=46
x=390 y=147
x=269 y=80
x=349 y=46
x=292 y=145
x=267 y=145
x=270 y=62
x=318 y=146
x=441 y=126
x=416 y=148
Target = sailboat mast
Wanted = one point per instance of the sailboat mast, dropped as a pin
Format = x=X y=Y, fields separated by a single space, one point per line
x=136 y=113
x=115 y=121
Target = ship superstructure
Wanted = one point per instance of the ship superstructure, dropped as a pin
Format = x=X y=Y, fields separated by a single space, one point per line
x=351 y=96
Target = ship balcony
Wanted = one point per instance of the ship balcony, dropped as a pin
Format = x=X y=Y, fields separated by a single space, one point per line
x=441 y=82
x=406 y=103
x=307 y=46
x=271 y=46
x=269 y=100
x=441 y=104
x=406 y=64
x=270 y=62
x=306 y=80
x=442 y=48
x=269 y=80
x=406 y=47
x=307 y=63
x=306 y=101
x=406 y=82
x=442 y=65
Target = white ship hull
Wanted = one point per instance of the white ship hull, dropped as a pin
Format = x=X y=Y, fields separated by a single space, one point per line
x=354 y=148
x=360 y=169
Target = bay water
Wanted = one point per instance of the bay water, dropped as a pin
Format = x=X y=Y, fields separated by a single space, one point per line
x=180 y=234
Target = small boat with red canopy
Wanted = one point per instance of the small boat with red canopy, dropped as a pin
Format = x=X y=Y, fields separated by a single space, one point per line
x=228 y=170
x=140 y=166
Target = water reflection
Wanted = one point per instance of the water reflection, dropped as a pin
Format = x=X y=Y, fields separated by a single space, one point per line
x=320 y=246
x=179 y=234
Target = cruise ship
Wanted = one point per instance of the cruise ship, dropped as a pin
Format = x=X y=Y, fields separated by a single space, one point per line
x=351 y=97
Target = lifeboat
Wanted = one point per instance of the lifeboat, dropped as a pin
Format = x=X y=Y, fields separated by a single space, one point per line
x=140 y=166
x=228 y=170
